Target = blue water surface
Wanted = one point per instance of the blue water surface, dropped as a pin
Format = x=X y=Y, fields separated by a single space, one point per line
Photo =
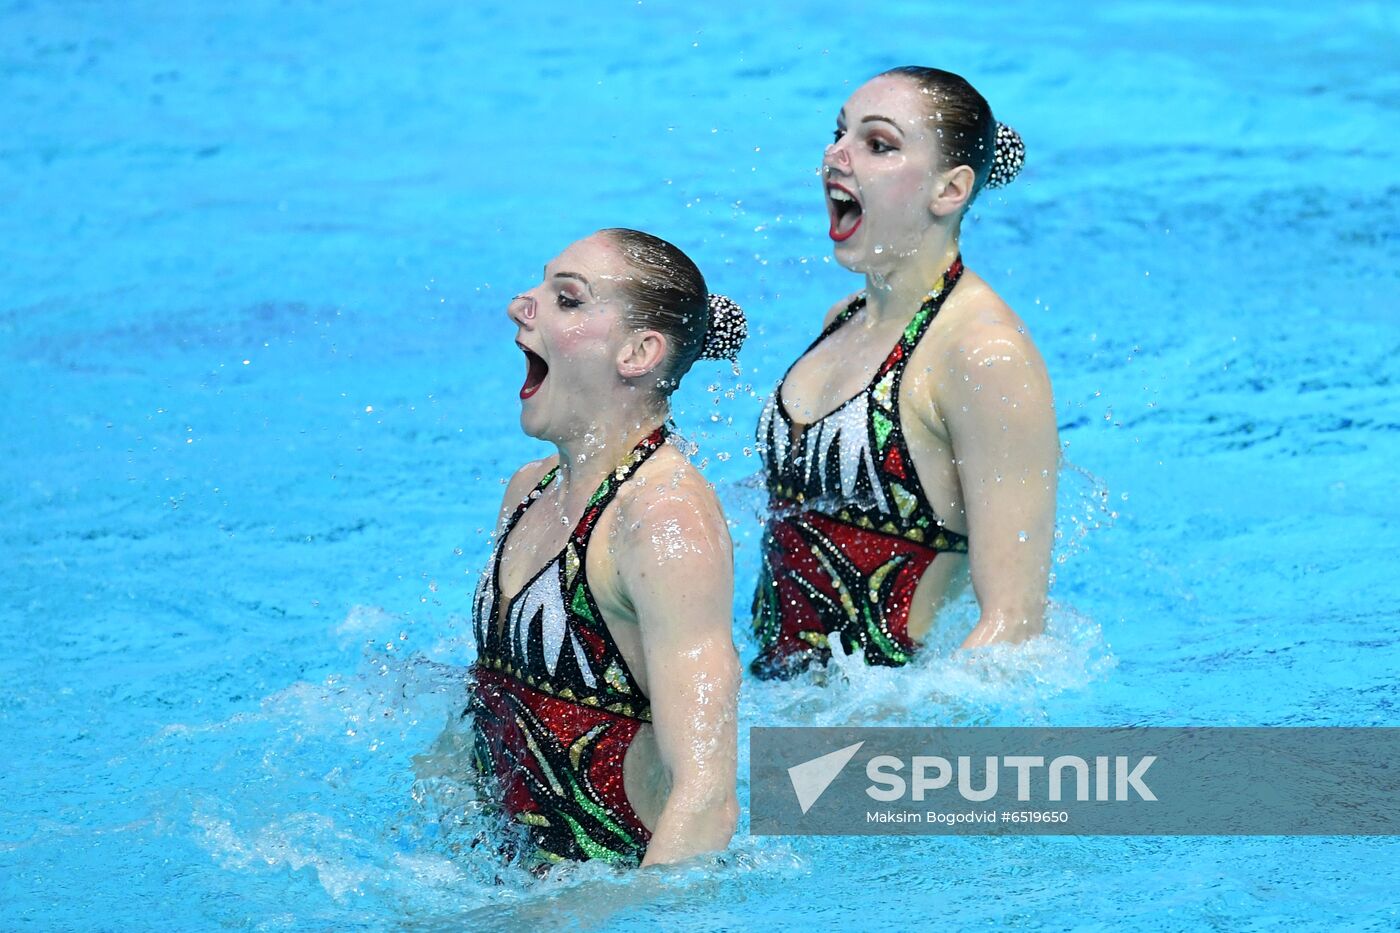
x=260 y=401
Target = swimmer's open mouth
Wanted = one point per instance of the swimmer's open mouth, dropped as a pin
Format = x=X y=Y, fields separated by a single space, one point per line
x=845 y=211
x=535 y=371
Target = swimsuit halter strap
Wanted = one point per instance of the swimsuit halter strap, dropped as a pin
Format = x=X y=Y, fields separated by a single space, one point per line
x=530 y=497
x=605 y=492
x=933 y=301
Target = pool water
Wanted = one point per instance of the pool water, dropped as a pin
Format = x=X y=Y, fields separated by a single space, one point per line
x=260 y=401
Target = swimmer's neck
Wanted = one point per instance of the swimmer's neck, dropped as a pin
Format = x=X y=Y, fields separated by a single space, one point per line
x=896 y=293
x=590 y=454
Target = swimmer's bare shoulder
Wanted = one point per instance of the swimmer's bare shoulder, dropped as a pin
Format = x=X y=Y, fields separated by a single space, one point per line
x=977 y=332
x=666 y=510
x=521 y=483
x=669 y=495
x=986 y=331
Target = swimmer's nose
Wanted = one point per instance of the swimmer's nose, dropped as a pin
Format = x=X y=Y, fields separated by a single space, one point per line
x=836 y=158
x=522 y=310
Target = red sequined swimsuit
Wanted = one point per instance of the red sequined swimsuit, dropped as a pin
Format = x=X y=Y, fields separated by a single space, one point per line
x=851 y=531
x=553 y=704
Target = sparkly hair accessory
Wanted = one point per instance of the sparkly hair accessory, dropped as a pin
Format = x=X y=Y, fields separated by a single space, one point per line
x=727 y=329
x=1009 y=157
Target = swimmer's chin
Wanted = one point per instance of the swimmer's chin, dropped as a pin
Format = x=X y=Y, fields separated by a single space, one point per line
x=852 y=261
x=534 y=424
x=531 y=428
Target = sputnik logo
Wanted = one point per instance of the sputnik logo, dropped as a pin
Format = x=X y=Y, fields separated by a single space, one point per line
x=811 y=778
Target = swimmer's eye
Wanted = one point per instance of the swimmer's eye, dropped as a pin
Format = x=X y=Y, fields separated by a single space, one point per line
x=879 y=145
x=566 y=302
x=836 y=136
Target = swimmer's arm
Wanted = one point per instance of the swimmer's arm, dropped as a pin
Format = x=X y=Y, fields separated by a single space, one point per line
x=1000 y=418
x=676 y=565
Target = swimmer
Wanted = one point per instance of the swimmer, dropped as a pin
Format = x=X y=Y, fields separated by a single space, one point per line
x=914 y=443
x=604 y=695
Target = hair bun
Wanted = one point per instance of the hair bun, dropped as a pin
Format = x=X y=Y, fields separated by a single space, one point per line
x=727 y=330
x=1009 y=157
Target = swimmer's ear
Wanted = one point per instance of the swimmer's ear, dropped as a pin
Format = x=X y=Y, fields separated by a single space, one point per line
x=952 y=191
x=641 y=354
